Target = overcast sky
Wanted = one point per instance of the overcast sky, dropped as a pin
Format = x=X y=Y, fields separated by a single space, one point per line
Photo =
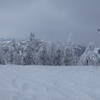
x=51 y=19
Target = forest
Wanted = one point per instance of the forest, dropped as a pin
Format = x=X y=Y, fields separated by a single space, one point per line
x=35 y=51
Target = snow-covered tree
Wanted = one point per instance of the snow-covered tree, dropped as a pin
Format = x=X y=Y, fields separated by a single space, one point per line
x=69 y=53
x=32 y=36
x=68 y=56
x=89 y=57
x=2 y=59
x=51 y=53
x=43 y=56
x=59 y=54
x=31 y=51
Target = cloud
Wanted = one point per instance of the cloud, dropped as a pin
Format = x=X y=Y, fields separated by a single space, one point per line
x=50 y=19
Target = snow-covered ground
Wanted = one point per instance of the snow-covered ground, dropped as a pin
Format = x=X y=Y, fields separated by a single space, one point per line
x=49 y=83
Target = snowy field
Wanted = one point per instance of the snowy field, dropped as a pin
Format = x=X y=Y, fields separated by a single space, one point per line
x=49 y=83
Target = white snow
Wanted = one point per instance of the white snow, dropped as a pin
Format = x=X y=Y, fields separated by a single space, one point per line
x=49 y=83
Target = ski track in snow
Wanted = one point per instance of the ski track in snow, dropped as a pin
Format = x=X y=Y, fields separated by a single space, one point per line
x=49 y=83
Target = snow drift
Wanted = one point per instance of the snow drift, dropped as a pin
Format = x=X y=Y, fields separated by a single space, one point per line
x=49 y=83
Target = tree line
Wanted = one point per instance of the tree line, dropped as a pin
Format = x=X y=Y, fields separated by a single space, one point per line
x=34 y=51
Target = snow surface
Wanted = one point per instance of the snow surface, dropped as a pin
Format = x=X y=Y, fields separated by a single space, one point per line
x=49 y=83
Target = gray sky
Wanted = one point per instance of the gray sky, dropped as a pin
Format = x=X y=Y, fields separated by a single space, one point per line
x=51 y=19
